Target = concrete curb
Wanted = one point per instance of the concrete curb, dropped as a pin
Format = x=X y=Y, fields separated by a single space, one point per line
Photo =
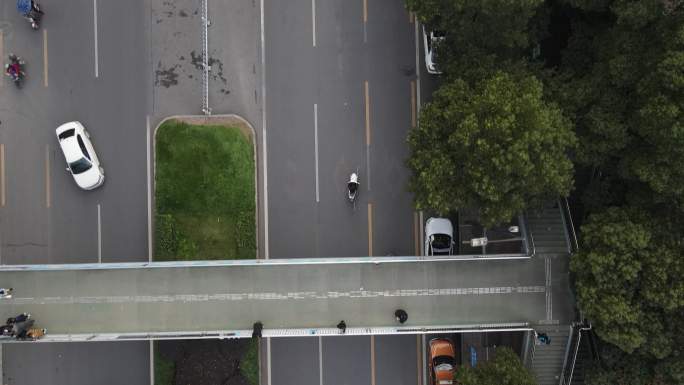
x=214 y=120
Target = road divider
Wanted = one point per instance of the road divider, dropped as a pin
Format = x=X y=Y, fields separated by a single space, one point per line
x=45 y=58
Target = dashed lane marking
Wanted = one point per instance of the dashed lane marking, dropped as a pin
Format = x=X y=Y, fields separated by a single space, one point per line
x=45 y=57
x=370 y=229
x=372 y=357
x=271 y=296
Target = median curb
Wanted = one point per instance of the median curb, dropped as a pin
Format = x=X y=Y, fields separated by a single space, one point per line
x=232 y=120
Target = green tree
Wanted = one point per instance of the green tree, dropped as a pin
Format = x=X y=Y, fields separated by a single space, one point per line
x=629 y=278
x=468 y=23
x=505 y=369
x=496 y=146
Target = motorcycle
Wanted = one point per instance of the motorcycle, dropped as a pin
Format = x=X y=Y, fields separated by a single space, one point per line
x=15 y=69
x=6 y=293
x=31 y=12
x=353 y=188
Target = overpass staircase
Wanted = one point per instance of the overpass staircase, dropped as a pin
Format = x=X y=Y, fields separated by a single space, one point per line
x=547 y=361
x=551 y=229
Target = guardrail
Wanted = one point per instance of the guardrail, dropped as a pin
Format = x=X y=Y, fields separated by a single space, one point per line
x=569 y=225
x=569 y=365
x=256 y=262
x=311 y=332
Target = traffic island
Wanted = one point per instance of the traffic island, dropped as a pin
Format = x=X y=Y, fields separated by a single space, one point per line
x=205 y=202
x=205 y=209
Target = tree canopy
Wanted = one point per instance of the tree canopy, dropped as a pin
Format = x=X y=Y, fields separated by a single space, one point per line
x=495 y=145
x=505 y=369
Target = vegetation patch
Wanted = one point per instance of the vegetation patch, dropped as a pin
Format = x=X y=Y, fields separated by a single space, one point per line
x=205 y=193
x=249 y=364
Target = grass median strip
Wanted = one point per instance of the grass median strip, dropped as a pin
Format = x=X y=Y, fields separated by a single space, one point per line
x=204 y=193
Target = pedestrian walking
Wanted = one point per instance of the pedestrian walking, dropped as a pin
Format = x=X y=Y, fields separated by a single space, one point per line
x=256 y=329
x=542 y=338
x=342 y=326
x=401 y=315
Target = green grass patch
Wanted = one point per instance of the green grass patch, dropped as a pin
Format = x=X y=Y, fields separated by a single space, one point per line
x=164 y=370
x=249 y=364
x=205 y=202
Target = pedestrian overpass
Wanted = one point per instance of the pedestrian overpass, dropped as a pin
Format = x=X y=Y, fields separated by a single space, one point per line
x=295 y=297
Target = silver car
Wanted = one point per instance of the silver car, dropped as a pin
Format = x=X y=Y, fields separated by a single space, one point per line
x=82 y=161
x=432 y=39
x=439 y=237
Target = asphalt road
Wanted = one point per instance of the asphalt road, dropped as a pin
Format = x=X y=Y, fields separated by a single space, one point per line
x=45 y=218
x=339 y=100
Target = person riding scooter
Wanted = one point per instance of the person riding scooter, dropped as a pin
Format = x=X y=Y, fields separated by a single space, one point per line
x=15 y=69
x=31 y=12
x=352 y=187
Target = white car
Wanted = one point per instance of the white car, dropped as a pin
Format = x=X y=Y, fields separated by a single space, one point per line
x=432 y=39
x=80 y=155
x=439 y=237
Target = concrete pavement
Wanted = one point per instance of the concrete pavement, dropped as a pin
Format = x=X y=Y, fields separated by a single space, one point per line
x=301 y=296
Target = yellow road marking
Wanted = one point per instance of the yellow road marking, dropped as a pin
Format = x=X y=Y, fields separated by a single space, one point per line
x=413 y=104
x=47 y=176
x=45 y=58
x=370 y=229
x=368 y=133
x=419 y=353
x=416 y=233
x=365 y=11
x=2 y=175
x=372 y=360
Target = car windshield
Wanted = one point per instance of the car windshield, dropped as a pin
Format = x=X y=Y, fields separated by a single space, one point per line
x=441 y=241
x=443 y=363
x=80 y=166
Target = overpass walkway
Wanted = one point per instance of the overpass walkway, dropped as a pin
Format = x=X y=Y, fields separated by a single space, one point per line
x=290 y=297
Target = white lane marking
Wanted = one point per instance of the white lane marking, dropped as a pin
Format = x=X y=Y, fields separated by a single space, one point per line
x=549 y=302
x=47 y=176
x=99 y=234
x=45 y=58
x=263 y=133
x=424 y=358
x=316 y=148
x=149 y=194
x=268 y=360
x=151 y=362
x=97 y=65
x=320 y=360
x=276 y=296
x=2 y=175
x=313 y=20
x=372 y=352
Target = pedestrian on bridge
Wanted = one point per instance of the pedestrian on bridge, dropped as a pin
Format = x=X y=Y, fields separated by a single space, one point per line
x=401 y=316
x=342 y=326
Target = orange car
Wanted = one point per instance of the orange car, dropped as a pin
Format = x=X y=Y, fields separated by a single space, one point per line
x=442 y=361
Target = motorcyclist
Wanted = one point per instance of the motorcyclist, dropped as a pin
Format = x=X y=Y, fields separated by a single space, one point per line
x=6 y=293
x=352 y=186
x=13 y=70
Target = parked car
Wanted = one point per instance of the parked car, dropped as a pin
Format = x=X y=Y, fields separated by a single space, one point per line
x=82 y=161
x=431 y=41
x=439 y=237
x=442 y=361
